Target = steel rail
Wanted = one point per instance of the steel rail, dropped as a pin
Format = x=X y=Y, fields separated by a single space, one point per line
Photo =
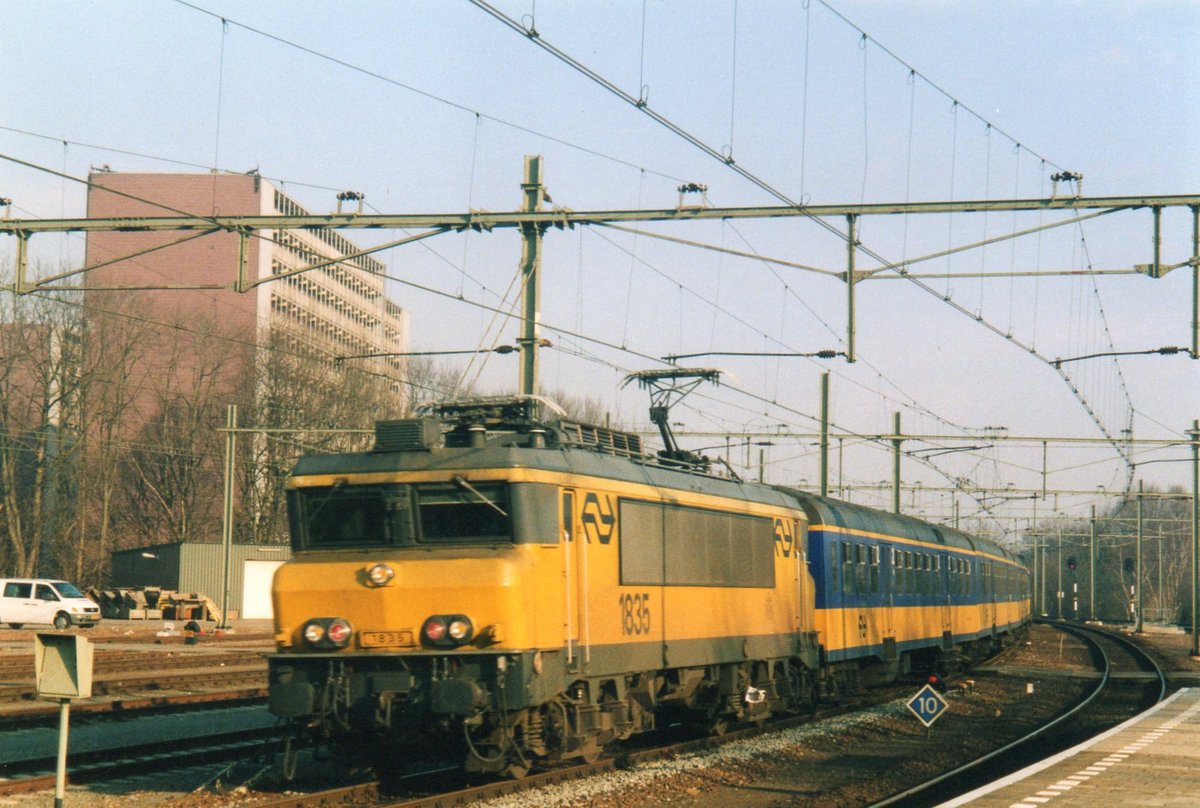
x=1086 y=635
x=90 y=767
x=43 y=712
x=621 y=760
x=124 y=683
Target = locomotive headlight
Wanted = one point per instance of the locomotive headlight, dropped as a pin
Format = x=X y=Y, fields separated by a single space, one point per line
x=460 y=629
x=380 y=575
x=314 y=633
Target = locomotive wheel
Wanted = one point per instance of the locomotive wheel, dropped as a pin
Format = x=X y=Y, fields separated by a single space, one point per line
x=515 y=771
x=590 y=757
x=808 y=692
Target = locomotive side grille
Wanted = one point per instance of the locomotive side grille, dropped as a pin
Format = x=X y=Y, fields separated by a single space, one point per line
x=407 y=435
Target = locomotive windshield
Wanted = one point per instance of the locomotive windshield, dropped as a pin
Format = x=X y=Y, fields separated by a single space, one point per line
x=463 y=513
x=341 y=516
x=345 y=516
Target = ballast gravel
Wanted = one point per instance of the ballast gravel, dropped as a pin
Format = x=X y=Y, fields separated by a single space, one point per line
x=646 y=780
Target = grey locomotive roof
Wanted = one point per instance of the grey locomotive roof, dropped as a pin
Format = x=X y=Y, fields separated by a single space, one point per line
x=573 y=460
x=566 y=460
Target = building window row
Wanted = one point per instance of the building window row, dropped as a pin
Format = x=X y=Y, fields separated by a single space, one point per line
x=314 y=324
x=297 y=247
x=320 y=294
x=289 y=207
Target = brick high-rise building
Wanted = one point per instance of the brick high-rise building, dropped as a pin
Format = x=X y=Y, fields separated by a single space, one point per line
x=181 y=343
x=337 y=310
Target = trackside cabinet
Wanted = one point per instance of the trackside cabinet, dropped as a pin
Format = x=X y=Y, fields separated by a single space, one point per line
x=64 y=666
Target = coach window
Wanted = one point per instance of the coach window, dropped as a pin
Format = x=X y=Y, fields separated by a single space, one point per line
x=874 y=568
x=860 y=568
x=848 y=568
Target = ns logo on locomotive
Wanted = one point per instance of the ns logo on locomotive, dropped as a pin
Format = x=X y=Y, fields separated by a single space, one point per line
x=503 y=589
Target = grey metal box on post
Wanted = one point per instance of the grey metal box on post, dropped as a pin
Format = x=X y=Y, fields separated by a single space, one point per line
x=64 y=666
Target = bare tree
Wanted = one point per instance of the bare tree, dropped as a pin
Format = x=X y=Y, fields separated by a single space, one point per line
x=39 y=373
x=174 y=466
x=304 y=402
x=111 y=379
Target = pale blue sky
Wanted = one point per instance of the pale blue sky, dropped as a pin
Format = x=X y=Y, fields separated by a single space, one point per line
x=1105 y=88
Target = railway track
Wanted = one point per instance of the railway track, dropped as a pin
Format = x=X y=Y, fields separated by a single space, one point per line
x=211 y=676
x=438 y=788
x=45 y=713
x=1129 y=682
x=19 y=667
x=102 y=766
x=133 y=680
x=1129 y=685
x=150 y=744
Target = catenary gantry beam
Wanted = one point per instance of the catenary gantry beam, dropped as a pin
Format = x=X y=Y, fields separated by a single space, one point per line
x=562 y=217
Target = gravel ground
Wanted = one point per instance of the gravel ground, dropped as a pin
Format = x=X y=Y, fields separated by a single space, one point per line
x=846 y=761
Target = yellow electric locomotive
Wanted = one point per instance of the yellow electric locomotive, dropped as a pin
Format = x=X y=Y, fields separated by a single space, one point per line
x=493 y=586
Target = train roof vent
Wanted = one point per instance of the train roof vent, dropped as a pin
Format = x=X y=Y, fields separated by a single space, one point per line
x=408 y=434
x=603 y=438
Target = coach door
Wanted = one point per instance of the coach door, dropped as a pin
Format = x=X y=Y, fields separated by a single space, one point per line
x=574 y=570
x=942 y=591
x=989 y=596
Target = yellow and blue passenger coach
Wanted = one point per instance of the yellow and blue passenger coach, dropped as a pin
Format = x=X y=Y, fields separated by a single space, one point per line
x=494 y=588
x=895 y=592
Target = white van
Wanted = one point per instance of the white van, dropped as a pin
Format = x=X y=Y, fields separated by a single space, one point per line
x=39 y=600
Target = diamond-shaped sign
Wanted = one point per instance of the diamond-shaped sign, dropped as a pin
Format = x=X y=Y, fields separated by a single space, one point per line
x=928 y=705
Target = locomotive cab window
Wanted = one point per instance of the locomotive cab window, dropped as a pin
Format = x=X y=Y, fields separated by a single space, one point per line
x=339 y=516
x=344 y=516
x=464 y=513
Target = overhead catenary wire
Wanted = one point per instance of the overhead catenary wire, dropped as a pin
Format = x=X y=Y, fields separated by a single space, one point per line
x=416 y=90
x=728 y=160
x=1008 y=329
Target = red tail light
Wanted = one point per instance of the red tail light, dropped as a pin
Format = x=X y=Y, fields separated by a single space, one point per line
x=435 y=629
x=339 y=632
